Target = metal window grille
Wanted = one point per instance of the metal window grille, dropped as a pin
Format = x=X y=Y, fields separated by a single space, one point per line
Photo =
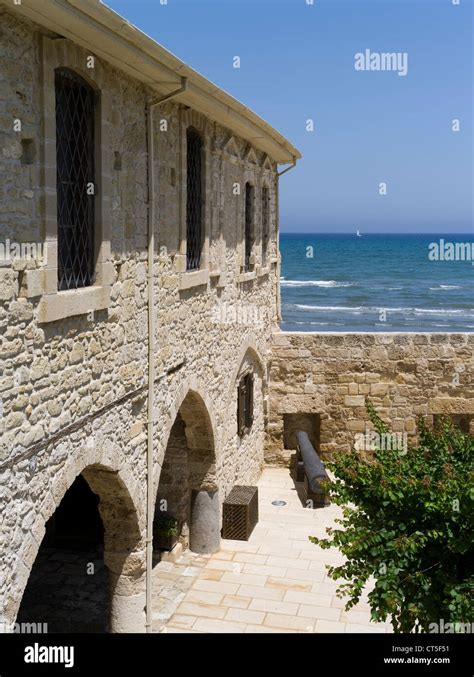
x=193 y=200
x=240 y=513
x=245 y=404
x=75 y=119
x=265 y=224
x=249 y=216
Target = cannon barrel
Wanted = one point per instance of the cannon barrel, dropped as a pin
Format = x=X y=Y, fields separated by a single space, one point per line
x=315 y=472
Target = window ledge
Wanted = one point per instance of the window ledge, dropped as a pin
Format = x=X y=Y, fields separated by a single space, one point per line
x=247 y=276
x=264 y=270
x=193 y=278
x=65 y=304
x=218 y=278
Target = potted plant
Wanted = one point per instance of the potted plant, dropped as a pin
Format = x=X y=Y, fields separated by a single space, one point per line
x=165 y=531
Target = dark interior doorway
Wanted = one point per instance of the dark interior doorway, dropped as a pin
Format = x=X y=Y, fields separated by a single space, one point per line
x=68 y=587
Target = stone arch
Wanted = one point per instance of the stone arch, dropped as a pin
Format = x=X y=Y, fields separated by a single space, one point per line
x=124 y=536
x=191 y=391
x=186 y=489
x=80 y=73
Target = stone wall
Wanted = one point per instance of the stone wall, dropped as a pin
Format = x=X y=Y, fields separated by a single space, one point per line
x=404 y=375
x=73 y=389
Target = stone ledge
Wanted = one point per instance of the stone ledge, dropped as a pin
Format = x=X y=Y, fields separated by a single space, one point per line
x=246 y=277
x=218 y=278
x=450 y=405
x=73 y=302
x=193 y=278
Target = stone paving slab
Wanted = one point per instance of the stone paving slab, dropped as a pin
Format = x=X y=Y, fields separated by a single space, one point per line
x=275 y=582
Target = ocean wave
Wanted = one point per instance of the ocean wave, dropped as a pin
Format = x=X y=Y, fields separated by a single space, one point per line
x=314 y=283
x=319 y=324
x=439 y=311
x=306 y=307
x=446 y=286
x=378 y=309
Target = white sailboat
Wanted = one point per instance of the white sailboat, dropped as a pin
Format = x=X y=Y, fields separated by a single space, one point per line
x=358 y=233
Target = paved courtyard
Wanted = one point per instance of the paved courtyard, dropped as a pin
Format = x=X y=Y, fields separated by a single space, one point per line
x=275 y=582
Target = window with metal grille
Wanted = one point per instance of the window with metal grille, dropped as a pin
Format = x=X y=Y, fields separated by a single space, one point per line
x=193 y=199
x=75 y=176
x=265 y=223
x=249 y=219
x=245 y=404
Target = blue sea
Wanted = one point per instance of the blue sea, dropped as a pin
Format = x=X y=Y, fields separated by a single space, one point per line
x=374 y=283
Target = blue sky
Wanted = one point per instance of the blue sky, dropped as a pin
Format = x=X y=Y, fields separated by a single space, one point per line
x=297 y=63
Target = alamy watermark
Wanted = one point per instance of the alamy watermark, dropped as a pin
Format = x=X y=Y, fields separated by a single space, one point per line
x=25 y=251
x=451 y=251
x=382 y=61
x=238 y=313
x=443 y=628
x=23 y=628
x=374 y=441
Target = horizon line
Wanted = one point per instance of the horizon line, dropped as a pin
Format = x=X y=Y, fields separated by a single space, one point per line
x=351 y=232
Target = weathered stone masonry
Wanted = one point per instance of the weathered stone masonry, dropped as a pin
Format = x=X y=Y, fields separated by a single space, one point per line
x=74 y=364
x=330 y=375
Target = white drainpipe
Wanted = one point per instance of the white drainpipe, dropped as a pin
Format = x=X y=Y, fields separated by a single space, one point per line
x=151 y=343
x=277 y=200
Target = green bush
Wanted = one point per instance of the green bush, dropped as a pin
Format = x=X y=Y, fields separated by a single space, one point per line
x=408 y=524
x=166 y=524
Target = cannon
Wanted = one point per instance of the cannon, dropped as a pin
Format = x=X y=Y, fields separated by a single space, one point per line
x=315 y=475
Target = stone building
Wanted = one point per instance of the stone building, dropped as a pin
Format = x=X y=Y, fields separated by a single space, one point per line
x=139 y=292
x=143 y=372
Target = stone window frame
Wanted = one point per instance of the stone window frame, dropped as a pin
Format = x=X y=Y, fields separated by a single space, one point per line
x=265 y=254
x=54 y=304
x=250 y=174
x=194 y=175
x=200 y=277
x=245 y=402
x=269 y=177
x=253 y=221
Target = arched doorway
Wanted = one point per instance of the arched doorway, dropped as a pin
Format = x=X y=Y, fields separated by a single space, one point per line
x=89 y=571
x=187 y=501
x=68 y=585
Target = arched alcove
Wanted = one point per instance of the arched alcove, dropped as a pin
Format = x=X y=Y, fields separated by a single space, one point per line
x=187 y=489
x=87 y=575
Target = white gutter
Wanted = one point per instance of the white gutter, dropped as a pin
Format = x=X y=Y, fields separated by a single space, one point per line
x=277 y=199
x=151 y=345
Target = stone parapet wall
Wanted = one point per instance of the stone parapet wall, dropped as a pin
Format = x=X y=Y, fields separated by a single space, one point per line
x=404 y=375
